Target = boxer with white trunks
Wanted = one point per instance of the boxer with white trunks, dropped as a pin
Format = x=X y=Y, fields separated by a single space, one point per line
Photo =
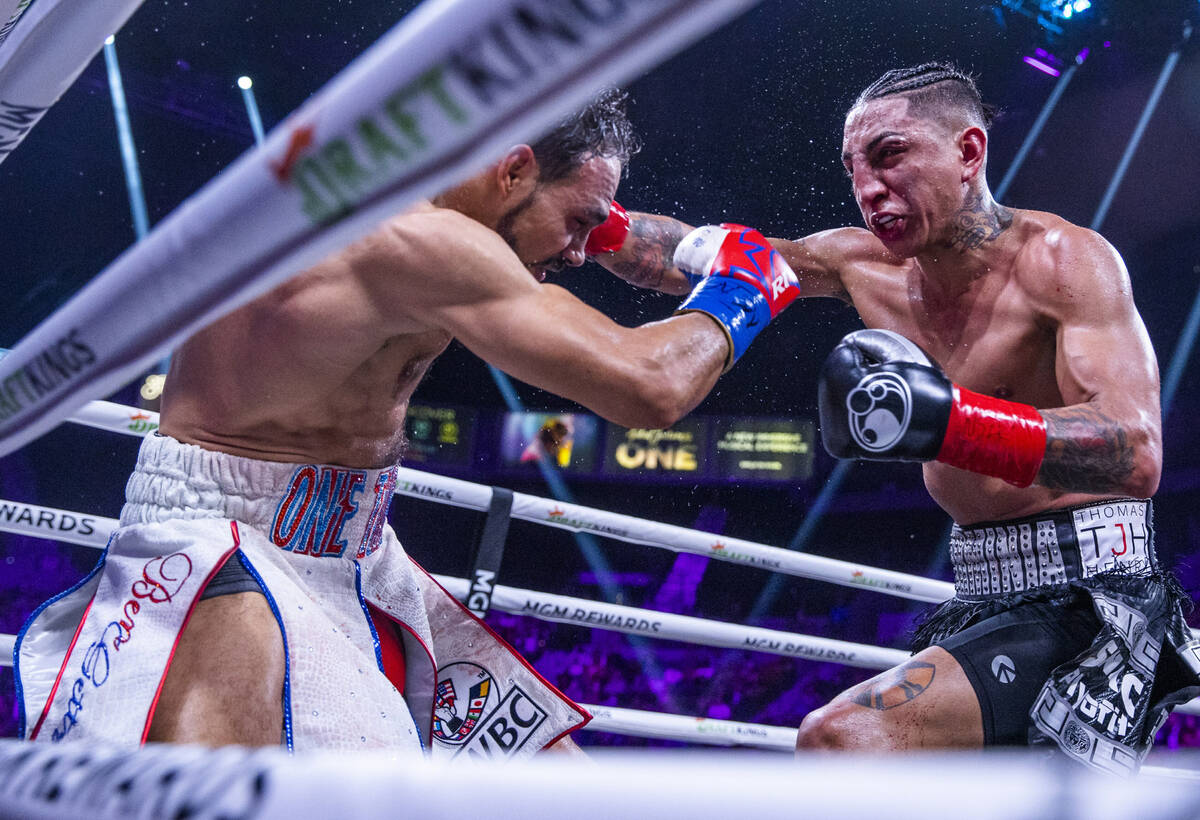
x=281 y=426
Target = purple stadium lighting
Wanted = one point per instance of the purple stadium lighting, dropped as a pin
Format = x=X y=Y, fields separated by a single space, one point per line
x=1040 y=66
x=1083 y=55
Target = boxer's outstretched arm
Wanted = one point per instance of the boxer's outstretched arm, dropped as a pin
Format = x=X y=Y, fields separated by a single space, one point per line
x=645 y=258
x=1109 y=439
x=447 y=272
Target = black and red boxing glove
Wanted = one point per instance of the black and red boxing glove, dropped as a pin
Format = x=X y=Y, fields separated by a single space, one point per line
x=609 y=235
x=882 y=398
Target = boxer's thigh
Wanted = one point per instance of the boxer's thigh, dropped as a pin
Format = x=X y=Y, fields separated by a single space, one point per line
x=926 y=702
x=1008 y=657
x=225 y=681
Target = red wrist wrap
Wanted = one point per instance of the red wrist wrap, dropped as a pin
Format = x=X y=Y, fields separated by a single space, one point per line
x=990 y=436
x=609 y=235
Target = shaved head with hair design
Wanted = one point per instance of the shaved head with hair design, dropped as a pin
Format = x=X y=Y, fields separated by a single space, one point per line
x=935 y=91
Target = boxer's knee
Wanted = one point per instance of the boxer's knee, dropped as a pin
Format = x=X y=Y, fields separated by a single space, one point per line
x=834 y=726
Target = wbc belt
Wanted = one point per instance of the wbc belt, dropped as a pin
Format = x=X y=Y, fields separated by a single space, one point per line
x=1006 y=557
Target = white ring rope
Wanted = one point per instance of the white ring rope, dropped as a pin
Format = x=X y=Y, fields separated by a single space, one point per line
x=707 y=731
x=131 y=421
x=668 y=626
x=678 y=539
x=43 y=49
x=439 y=89
x=93 y=531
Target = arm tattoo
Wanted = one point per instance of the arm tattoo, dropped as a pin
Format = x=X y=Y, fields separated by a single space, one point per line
x=979 y=222
x=896 y=687
x=1086 y=451
x=652 y=240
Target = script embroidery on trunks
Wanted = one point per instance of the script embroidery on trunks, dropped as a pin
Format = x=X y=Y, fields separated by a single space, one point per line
x=162 y=578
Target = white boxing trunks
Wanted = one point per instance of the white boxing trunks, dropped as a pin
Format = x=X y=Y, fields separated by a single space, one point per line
x=91 y=661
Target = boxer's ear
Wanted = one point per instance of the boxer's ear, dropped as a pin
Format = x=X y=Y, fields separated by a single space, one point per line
x=972 y=150
x=517 y=172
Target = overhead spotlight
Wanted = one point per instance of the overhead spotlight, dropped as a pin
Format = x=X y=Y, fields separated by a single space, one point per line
x=244 y=82
x=108 y=41
x=1066 y=9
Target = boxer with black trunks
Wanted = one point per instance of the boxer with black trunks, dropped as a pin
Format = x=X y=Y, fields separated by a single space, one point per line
x=254 y=588
x=1063 y=627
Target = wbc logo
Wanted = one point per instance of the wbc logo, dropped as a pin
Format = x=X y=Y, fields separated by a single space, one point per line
x=879 y=410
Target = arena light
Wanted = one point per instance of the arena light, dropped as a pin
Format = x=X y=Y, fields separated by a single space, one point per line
x=1040 y=66
x=1066 y=9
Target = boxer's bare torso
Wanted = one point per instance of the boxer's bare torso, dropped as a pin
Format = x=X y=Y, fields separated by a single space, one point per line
x=315 y=371
x=322 y=368
x=1040 y=312
x=1020 y=305
x=1047 y=320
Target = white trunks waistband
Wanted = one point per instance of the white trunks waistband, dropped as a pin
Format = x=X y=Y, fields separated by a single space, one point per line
x=314 y=509
x=1051 y=548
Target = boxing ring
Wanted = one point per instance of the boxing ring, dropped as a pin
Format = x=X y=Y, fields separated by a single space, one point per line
x=60 y=780
x=33 y=520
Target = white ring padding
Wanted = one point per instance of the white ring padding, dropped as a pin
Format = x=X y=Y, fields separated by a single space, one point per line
x=131 y=421
x=42 y=54
x=50 y=781
x=290 y=203
x=714 y=732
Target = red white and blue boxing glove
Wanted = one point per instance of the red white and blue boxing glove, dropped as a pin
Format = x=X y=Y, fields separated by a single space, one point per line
x=609 y=235
x=740 y=281
x=882 y=398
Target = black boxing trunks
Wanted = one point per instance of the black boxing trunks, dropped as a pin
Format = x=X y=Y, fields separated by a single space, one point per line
x=1069 y=631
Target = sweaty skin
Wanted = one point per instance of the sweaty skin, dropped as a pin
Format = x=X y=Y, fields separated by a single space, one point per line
x=321 y=370
x=1017 y=304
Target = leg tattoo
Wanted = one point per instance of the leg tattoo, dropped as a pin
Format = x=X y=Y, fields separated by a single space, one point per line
x=897 y=687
